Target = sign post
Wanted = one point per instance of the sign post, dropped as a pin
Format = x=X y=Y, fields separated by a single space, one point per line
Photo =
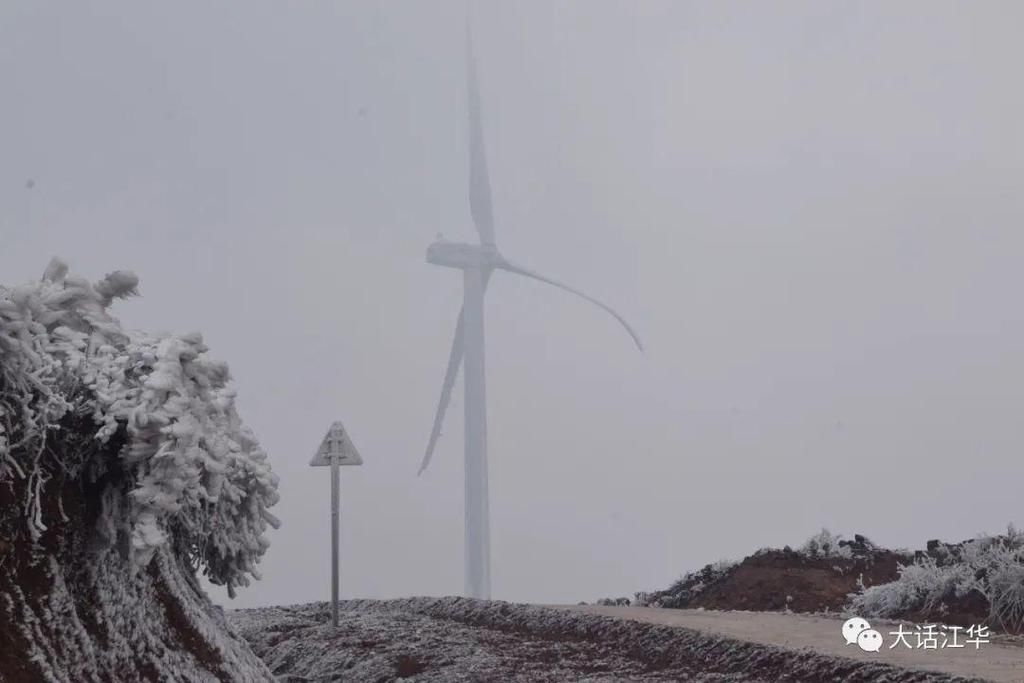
x=335 y=450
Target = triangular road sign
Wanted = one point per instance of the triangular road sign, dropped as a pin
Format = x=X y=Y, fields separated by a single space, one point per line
x=336 y=444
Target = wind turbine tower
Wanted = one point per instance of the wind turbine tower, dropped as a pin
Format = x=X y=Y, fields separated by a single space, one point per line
x=477 y=262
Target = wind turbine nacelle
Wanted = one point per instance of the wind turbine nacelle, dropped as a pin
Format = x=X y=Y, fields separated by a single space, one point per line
x=463 y=256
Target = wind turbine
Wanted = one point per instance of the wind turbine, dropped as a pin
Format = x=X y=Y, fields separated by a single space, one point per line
x=478 y=263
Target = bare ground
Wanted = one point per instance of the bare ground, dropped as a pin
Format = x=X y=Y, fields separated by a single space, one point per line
x=459 y=639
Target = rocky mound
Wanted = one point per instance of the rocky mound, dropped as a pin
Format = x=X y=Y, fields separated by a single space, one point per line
x=979 y=581
x=818 y=577
x=459 y=639
x=124 y=470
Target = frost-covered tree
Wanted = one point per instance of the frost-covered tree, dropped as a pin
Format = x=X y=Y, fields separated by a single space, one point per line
x=124 y=470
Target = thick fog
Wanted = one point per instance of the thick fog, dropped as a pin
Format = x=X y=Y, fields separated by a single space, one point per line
x=811 y=212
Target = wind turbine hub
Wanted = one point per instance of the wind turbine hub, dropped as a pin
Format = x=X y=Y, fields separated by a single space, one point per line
x=463 y=256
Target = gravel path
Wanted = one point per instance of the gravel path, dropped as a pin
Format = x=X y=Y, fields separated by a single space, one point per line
x=1002 y=660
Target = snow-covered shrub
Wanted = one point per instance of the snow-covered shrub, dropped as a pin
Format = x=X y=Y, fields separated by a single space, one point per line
x=613 y=602
x=1006 y=595
x=195 y=475
x=993 y=566
x=825 y=544
x=921 y=585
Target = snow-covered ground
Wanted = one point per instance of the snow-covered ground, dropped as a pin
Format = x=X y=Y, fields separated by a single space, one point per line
x=459 y=639
x=1000 y=660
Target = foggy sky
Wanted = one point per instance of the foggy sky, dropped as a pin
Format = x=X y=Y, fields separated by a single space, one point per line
x=810 y=211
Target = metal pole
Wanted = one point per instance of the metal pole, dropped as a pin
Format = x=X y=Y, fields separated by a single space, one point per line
x=335 y=473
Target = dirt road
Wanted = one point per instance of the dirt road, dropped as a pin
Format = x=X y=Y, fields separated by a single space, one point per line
x=1001 y=660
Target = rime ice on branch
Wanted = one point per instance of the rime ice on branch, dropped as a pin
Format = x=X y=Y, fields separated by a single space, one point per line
x=195 y=476
x=124 y=470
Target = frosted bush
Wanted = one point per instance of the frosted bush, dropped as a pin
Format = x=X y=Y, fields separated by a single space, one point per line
x=992 y=566
x=196 y=475
x=825 y=544
x=921 y=585
x=721 y=567
x=1005 y=583
x=613 y=602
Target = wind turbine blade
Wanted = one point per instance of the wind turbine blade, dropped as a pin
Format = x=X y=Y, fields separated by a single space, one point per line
x=479 y=181
x=454 y=361
x=450 y=375
x=519 y=270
